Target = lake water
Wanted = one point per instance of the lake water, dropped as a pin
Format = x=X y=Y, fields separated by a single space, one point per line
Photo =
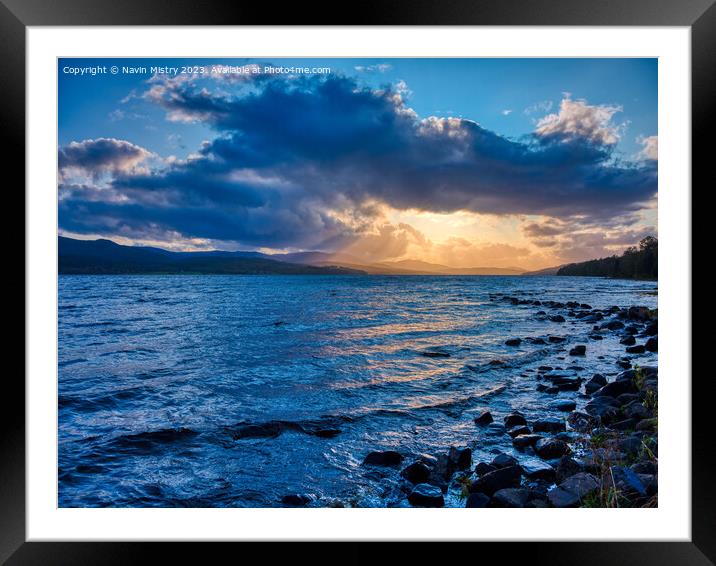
x=156 y=372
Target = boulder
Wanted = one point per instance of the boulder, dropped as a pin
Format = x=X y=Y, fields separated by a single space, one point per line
x=515 y=419
x=627 y=480
x=482 y=468
x=510 y=497
x=652 y=344
x=461 y=458
x=556 y=339
x=537 y=470
x=578 y=350
x=550 y=448
x=426 y=495
x=581 y=422
x=638 y=313
x=499 y=479
x=549 y=425
x=616 y=388
x=628 y=341
x=565 y=405
x=503 y=461
x=416 y=473
x=638 y=349
x=652 y=329
x=614 y=325
x=519 y=430
x=559 y=497
x=581 y=484
x=296 y=500
x=383 y=458
x=567 y=467
x=523 y=441
x=477 y=500
x=595 y=383
x=513 y=342
x=484 y=418
x=557 y=318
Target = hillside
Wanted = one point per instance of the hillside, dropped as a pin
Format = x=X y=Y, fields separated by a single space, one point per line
x=635 y=263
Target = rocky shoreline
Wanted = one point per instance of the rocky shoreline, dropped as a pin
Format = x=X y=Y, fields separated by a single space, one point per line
x=605 y=455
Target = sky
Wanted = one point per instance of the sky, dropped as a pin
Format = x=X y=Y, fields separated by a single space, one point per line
x=465 y=162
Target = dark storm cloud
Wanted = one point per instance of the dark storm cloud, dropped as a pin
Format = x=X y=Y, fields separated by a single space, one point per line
x=292 y=156
x=102 y=155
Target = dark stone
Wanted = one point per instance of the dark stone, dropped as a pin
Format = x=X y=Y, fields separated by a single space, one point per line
x=503 y=461
x=460 y=457
x=550 y=448
x=559 y=497
x=499 y=479
x=484 y=418
x=635 y=410
x=383 y=458
x=477 y=500
x=626 y=480
x=556 y=318
x=522 y=441
x=556 y=339
x=513 y=342
x=549 y=425
x=564 y=405
x=426 y=495
x=581 y=422
x=537 y=470
x=595 y=384
x=628 y=341
x=596 y=337
x=443 y=469
x=626 y=424
x=652 y=344
x=567 y=467
x=616 y=388
x=638 y=313
x=545 y=368
x=631 y=329
x=645 y=467
x=295 y=500
x=482 y=468
x=623 y=363
x=518 y=430
x=327 y=432
x=417 y=472
x=581 y=484
x=614 y=325
x=652 y=329
x=638 y=349
x=510 y=497
x=515 y=419
x=578 y=350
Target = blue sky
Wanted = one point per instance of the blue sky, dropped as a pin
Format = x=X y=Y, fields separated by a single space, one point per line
x=508 y=111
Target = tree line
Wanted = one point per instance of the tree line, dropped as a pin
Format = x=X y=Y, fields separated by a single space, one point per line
x=637 y=262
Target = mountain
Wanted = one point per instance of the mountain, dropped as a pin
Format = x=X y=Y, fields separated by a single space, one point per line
x=640 y=262
x=426 y=268
x=107 y=257
x=545 y=271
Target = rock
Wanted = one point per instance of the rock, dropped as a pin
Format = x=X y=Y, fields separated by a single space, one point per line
x=623 y=363
x=564 y=405
x=537 y=470
x=559 y=497
x=510 y=497
x=461 y=458
x=518 y=430
x=503 y=461
x=635 y=410
x=645 y=467
x=628 y=481
x=581 y=422
x=482 y=468
x=626 y=398
x=495 y=429
x=383 y=458
x=515 y=419
x=628 y=341
x=596 y=337
x=513 y=342
x=295 y=500
x=595 y=383
x=477 y=500
x=638 y=313
x=557 y=318
x=581 y=484
x=426 y=495
x=550 y=448
x=652 y=344
x=522 y=441
x=613 y=325
x=556 y=339
x=545 y=368
x=626 y=424
x=484 y=418
x=567 y=467
x=538 y=341
x=638 y=349
x=616 y=388
x=578 y=350
x=327 y=432
x=549 y=425
x=443 y=469
x=651 y=329
x=416 y=473
x=647 y=425
x=499 y=479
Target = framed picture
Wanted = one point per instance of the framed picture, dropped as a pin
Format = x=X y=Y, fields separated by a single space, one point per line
x=291 y=277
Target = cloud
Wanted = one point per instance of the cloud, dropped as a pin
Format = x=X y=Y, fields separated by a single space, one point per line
x=650 y=148
x=102 y=155
x=301 y=163
x=539 y=107
x=506 y=112
x=378 y=68
x=577 y=119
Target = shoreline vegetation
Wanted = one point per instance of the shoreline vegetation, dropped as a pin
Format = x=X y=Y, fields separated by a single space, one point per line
x=105 y=257
x=605 y=455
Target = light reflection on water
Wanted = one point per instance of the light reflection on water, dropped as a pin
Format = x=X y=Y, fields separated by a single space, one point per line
x=143 y=355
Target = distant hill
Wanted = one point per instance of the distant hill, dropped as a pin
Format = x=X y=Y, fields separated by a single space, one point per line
x=426 y=268
x=640 y=262
x=107 y=257
x=545 y=271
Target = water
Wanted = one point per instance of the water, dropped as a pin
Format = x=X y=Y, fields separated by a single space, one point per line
x=156 y=372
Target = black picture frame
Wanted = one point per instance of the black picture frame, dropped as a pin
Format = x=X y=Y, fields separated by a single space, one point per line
x=699 y=15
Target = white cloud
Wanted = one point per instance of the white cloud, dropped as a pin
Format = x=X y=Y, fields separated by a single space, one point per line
x=650 y=147
x=577 y=119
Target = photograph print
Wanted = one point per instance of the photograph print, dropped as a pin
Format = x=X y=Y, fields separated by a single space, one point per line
x=399 y=283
